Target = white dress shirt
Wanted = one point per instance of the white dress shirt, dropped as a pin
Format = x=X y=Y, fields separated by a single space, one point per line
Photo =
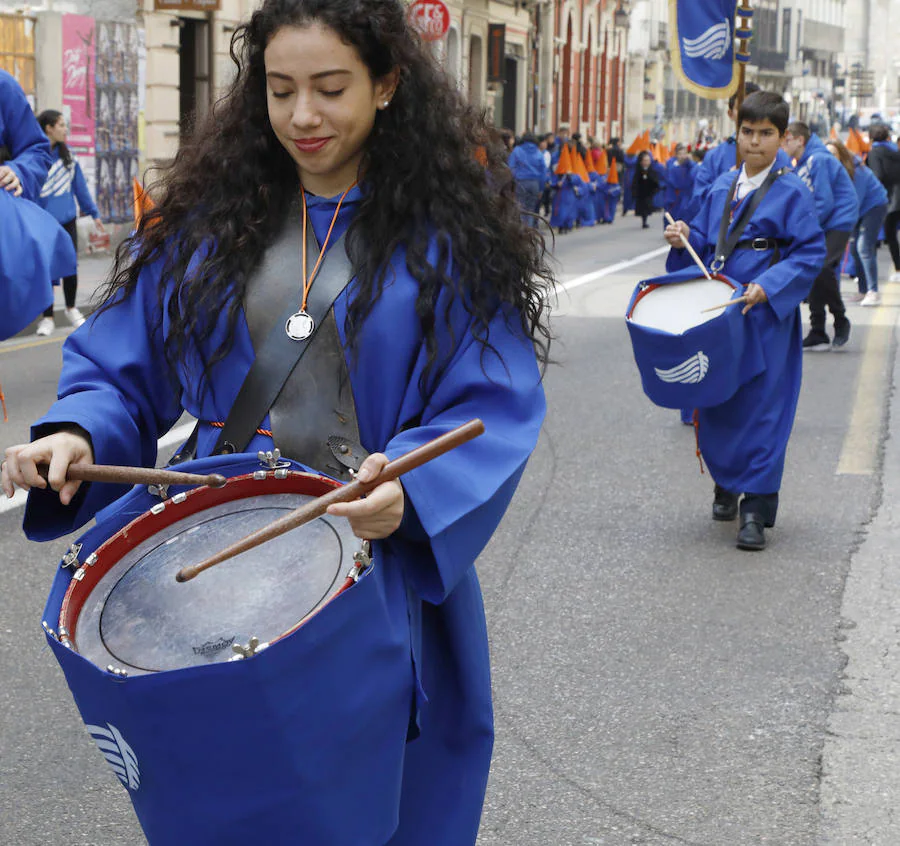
x=746 y=184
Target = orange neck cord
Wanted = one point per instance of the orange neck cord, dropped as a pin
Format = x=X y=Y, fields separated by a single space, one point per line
x=308 y=280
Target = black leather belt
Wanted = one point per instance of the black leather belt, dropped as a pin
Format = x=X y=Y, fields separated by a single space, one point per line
x=761 y=244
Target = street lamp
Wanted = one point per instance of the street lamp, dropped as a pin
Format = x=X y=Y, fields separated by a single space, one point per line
x=621 y=16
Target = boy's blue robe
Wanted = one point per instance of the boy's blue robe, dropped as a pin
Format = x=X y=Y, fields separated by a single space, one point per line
x=659 y=168
x=586 y=214
x=613 y=192
x=679 y=187
x=600 y=189
x=118 y=392
x=744 y=440
x=565 y=201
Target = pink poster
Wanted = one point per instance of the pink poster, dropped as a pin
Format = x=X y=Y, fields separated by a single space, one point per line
x=79 y=96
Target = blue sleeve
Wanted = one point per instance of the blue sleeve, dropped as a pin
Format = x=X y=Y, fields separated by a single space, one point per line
x=460 y=497
x=821 y=190
x=114 y=385
x=788 y=281
x=21 y=133
x=846 y=202
x=82 y=194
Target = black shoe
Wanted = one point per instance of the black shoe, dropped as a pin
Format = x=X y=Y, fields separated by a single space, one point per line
x=841 y=333
x=817 y=341
x=752 y=535
x=725 y=505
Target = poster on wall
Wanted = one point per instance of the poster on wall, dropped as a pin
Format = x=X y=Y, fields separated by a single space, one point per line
x=78 y=92
x=118 y=108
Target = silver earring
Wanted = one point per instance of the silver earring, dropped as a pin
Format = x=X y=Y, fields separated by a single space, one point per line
x=386 y=103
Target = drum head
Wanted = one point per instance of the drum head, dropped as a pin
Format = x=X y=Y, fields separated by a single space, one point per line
x=678 y=306
x=139 y=618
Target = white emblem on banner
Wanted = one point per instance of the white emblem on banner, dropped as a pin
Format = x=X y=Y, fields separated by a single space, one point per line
x=118 y=753
x=689 y=372
x=713 y=44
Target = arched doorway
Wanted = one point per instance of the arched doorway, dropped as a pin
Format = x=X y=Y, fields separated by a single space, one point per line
x=453 y=54
x=476 y=71
x=587 y=76
x=565 y=99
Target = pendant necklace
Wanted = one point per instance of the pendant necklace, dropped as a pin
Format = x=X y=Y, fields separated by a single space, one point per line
x=300 y=325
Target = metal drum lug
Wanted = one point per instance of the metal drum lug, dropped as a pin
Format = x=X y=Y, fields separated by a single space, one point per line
x=70 y=559
x=179 y=498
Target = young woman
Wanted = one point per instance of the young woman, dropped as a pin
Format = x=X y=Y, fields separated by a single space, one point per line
x=873 y=206
x=65 y=183
x=644 y=188
x=444 y=320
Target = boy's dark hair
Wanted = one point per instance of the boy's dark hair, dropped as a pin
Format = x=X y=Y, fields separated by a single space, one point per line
x=801 y=130
x=879 y=132
x=765 y=105
x=749 y=88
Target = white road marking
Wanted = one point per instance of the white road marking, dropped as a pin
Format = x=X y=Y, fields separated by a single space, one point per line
x=172 y=437
x=587 y=278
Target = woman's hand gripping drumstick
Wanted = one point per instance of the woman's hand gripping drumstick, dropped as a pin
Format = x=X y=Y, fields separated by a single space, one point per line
x=340 y=501
x=62 y=461
x=677 y=234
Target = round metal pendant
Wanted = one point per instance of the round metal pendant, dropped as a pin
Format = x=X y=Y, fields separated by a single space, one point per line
x=299 y=326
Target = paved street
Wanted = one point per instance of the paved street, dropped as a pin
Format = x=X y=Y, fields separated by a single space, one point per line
x=653 y=685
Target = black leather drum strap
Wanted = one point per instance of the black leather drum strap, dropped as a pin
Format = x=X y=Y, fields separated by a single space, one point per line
x=279 y=354
x=727 y=242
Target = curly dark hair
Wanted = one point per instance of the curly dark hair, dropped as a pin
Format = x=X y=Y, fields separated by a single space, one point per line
x=236 y=171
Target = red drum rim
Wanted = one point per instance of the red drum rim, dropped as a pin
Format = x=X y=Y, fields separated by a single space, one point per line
x=165 y=514
x=649 y=289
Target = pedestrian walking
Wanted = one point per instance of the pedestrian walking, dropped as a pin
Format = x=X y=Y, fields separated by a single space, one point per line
x=440 y=318
x=884 y=160
x=838 y=211
x=530 y=170
x=66 y=196
x=873 y=206
x=644 y=188
x=762 y=221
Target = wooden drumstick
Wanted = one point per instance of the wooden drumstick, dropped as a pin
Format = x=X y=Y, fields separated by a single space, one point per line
x=690 y=249
x=724 y=305
x=346 y=493
x=134 y=475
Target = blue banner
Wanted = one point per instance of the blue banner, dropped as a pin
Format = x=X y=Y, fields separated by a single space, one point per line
x=703 y=47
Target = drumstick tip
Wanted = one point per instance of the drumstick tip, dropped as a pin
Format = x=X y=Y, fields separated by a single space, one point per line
x=216 y=480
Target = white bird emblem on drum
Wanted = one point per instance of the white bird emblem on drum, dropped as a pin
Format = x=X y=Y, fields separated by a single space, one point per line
x=689 y=372
x=713 y=44
x=118 y=753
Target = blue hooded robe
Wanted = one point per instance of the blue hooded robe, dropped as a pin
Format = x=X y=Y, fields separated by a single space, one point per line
x=119 y=393
x=564 y=214
x=835 y=197
x=600 y=188
x=587 y=215
x=744 y=440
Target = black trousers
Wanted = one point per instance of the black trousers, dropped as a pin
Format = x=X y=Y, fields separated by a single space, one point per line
x=70 y=283
x=825 y=290
x=766 y=505
x=890 y=235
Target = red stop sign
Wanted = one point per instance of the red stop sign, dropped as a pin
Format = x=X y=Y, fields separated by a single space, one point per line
x=431 y=18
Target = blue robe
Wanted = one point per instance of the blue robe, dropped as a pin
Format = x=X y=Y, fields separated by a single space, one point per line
x=600 y=189
x=659 y=198
x=613 y=192
x=119 y=394
x=565 y=201
x=22 y=135
x=679 y=187
x=586 y=214
x=745 y=439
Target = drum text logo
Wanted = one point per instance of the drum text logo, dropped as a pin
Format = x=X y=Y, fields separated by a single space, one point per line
x=689 y=372
x=120 y=755
x=713 y=44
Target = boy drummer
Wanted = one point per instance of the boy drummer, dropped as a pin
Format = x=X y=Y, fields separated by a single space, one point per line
x=759 y=227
